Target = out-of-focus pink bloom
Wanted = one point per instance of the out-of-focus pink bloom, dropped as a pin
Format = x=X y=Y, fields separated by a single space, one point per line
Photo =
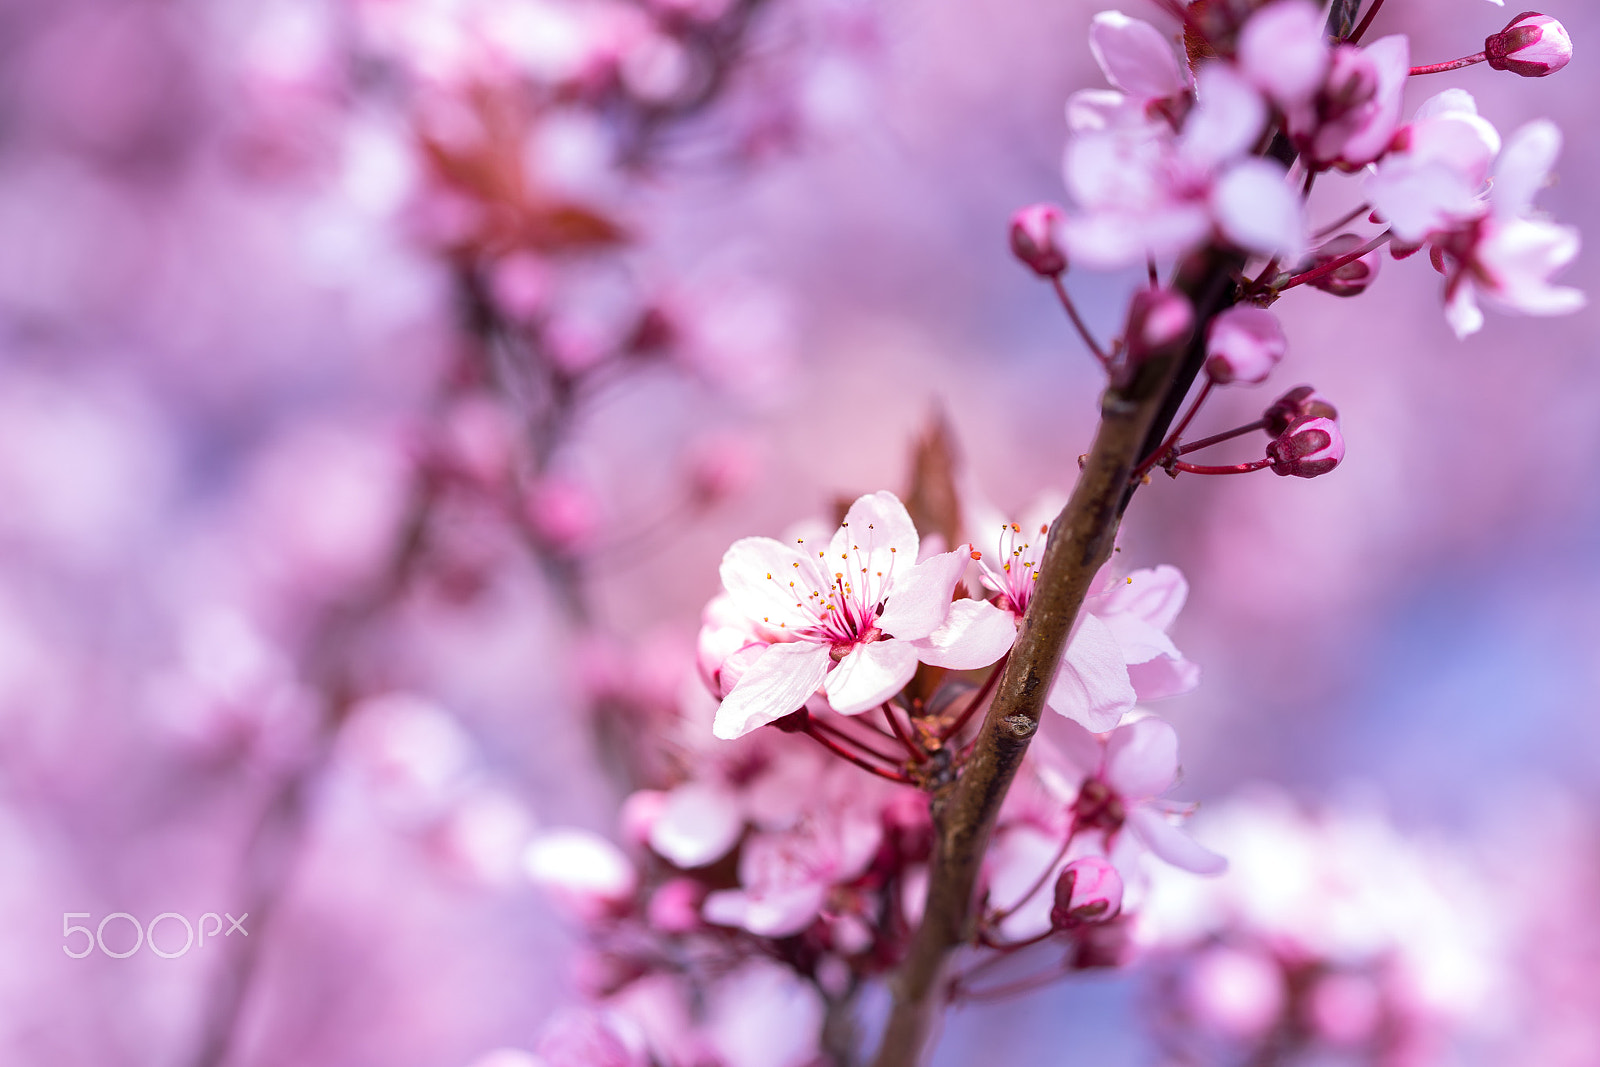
x=1349 y=279
x=589 y=1039
x=1434 y=177
x=1033 y=239
x=721 y=466
x=1238 y=992
x=764 y=1015
x=508 y=1057
x=1301 y=402
x=1087 y=890
x=1532 y=45
x=1158 y=319
x=1120 y=776
x=520 y=284
x=1308 y=448
x=411 y=752
x=584 y=872
x=851 y=615
x=675 y=906
x=1351 y=119
x=1346 y=1009
x=1284 y=52
x=1136 y=57
x=787 y=870
x=563 y=512
x=1243 y=344
x=1142 y=191
x=1507 y=257
x=484 y=836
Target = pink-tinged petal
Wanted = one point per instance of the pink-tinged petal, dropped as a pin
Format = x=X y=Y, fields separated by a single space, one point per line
x=1173 y=845
x=1142 y=759
x=700 y=822
x=1461 y=311
x=1163 y=677
x=1520 y=255
x=877 y=535
x=1243 y=344
x=1154 y=594
x=1391 y=59
x=1102 y=109
x=1256 y=210
x=775 y=685
x=1092 y=684
x=869 y=675
x=1135 y=56
x=763 y=1015
x=1524 y=167
x=583 y=871
x=774 y=913
x=1227 y=119
x=1282 y=49
x=1021 y=854
x=756 y=572
x=1071 y=749
x=919 y=599
x=974 y=634
x=1140 y=642
x=1419 y=198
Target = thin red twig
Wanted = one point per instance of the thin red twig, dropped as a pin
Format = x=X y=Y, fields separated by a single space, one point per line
x=1072 y=313
x=821 y=739
x=905 y=739
x=976 y=702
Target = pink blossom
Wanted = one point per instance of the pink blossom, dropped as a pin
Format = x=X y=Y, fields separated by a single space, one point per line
x=1508 y=257
x=1033 y=239
x=1243 y=344
x=578 y=1038
x=1351 y=119
x=1352 y=277
x=1120 y=777
x=851 y=616
x=1142 y=191
x=1119 y=651
x=1087 y=890
x=1284 y=52
x=1136 y=58
x=1434 y=178
x=584 y=872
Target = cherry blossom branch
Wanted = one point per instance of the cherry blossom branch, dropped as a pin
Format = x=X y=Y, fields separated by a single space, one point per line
x=1134 y=419
x=1334 y=264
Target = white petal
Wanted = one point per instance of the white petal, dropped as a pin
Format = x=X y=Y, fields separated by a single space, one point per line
x=1283 y=50
x=869 y=675
x=1102 y=109
x=1154 y=594
x=775 y=685
x=1172 y=844
x=699 y=823
x=1142 y=759
x=757 y=571
x=974 y=634
x=877 y=535
x=1135 y=57
x=775 y=913
x=1524 y=167
x=1092 y=685
x=1227 y=119
x=1163 y=677
x=919 y=598
x=1256 y=210
x=1462 y=311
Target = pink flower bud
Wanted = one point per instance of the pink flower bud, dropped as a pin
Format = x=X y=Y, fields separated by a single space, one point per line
x=1301 y=402
x=1033 y=239
x=1352 y=278
x=1088 y=890
x=1157 y=319
x=1243 y=344
x=1531 y=45
x=1309 y=447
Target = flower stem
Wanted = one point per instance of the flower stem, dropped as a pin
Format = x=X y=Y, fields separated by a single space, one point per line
x=1177 y=431
x=1372 y=13
x=1344 y=220
x=1230 y=468
x=899 y=731
x=843 y=753
x=1225 y=435
x=1038 y=883
x=840 y=735
x=1072 y=313
x=1334 y=264
x=1449 y=64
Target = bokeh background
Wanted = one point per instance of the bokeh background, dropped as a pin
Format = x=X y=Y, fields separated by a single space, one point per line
x=229 y=292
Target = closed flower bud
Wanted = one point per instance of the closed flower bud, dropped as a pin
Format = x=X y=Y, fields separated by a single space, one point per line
x=1350 y=279
x=1158 y=319
x=1243 y=344
x=1301 y=402
x=1309 y=447
x=1033 y=239
x=1532 y=45
x=1087 y=891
